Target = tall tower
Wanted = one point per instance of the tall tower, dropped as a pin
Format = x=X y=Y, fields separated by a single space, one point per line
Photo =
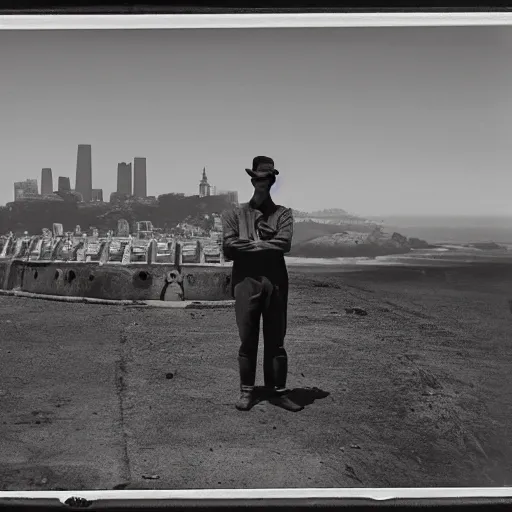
x=46 y=182
x=204 y=186
x=124 y=178
x=83 y=183
x=139 y=177
x=64 y=184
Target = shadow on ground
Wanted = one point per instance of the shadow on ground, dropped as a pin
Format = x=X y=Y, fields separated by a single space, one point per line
x=300 y=396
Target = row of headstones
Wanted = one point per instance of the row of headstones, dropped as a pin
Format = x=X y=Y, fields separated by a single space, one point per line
x=123 y=250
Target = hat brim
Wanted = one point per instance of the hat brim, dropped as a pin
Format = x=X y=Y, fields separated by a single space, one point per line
x=264 y=174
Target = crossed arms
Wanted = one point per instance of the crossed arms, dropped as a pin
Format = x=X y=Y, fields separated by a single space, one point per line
x=233 y=245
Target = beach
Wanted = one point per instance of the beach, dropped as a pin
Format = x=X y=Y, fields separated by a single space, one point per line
x=410 y=387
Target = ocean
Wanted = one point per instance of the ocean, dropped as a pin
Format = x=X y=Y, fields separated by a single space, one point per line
x=449 y=234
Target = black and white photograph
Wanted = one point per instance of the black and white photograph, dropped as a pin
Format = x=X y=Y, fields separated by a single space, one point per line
x=265 y=258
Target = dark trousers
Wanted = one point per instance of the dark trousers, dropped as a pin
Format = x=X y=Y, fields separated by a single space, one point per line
x=257 y=298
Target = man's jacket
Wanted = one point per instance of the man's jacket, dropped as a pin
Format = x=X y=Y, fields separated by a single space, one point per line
x=256 y=240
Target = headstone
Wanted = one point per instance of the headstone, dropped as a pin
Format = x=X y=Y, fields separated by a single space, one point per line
x=35 y=254
x=33 y=248
x=123 y=228
x=18 y=248
x=151 y=253
x=93 y=249
x=165 y=251
x=140 y=250
x=57 y=250
x=189 y=252
x=127 y=254
x=178 y=254
x=66 y=252
x=81 y=253
x=144 y=225
x=95 y=232
x=105 y=251
x=78 y=230
x=7 y=246
x=117 y=249
x=46 y=245
x=212 y=252
x=200 y=252
x=58 y=230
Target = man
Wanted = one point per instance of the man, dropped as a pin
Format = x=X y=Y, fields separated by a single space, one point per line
x=255 y=237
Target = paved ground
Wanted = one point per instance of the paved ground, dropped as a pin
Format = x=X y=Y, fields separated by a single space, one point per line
x=415 y=393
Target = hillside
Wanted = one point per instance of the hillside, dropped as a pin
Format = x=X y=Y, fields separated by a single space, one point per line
x=166 y=213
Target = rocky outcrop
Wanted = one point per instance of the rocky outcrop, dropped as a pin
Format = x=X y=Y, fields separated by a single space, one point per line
x=417 y=243
x=355 y=243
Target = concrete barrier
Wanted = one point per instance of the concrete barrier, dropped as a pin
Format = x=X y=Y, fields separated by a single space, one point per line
x=4 y=274
x=115 y=268
x=206 y=282
x=157 y=281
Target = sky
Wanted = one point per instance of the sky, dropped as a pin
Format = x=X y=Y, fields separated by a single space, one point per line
x=377 y=121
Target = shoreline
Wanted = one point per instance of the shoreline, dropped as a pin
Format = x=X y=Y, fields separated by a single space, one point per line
x=448 y=256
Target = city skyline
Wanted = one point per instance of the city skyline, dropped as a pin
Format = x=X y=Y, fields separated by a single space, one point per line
x=389 y=121
x=131 y=181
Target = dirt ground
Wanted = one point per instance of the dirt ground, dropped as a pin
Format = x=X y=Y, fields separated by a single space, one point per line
x=417 y=392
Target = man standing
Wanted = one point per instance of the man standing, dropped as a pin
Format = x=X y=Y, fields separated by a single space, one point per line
x=256 y=236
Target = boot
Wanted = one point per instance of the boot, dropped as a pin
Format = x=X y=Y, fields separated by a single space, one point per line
x=280 y=397
x=246 y=401
x=247 y=377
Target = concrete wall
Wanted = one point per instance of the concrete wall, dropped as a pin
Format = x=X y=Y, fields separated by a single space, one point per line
x=4 y=272
x=206 y=283
x=117 y=282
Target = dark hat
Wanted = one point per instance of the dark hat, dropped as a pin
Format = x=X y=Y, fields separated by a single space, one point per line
x=262 y=167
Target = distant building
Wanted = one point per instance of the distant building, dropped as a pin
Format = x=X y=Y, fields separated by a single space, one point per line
x=204 y=186
x=25 y=189
x=97 y=195
x=83 y=183
x=231 y=195
x=116 y=198
x=124 y=178
x=139 y=178
x=64 y=184
x=46 y=182
x=213 y=190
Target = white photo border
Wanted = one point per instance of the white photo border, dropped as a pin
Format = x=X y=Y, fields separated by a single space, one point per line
x=238 y=21
x=220 y=21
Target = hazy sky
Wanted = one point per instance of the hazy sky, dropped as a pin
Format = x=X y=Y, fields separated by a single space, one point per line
x=376 y=121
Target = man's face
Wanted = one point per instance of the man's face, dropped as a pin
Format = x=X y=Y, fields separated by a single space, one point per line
x=262 y=185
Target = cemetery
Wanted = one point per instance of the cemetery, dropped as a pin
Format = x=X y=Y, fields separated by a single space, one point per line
x=143 y=266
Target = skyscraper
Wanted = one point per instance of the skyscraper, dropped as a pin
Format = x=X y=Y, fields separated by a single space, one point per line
x=124 y=178
x=64 y=184
x=83 y=183
x=139 y=177
x=46 y=182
